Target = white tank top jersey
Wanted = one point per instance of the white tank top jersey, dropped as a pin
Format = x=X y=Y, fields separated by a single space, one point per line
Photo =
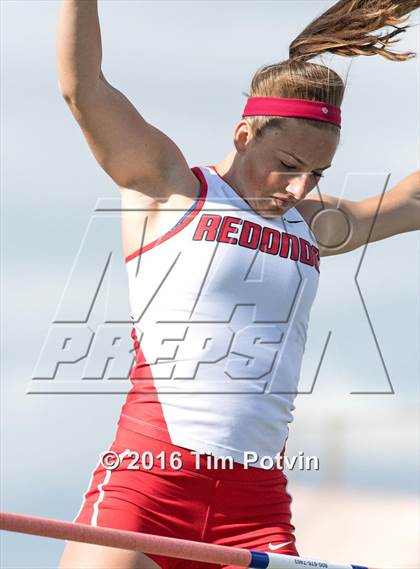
x=220 y=307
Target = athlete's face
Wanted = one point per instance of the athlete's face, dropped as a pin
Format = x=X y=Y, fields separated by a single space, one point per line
x=280 y=168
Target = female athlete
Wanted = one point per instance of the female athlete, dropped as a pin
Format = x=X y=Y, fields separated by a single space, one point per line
x=223 y=265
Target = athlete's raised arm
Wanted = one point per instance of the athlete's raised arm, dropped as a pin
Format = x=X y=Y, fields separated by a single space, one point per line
x=134 y=153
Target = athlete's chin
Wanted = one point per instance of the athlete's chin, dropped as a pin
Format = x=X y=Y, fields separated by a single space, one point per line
x=275 y=209
x=271 y=214
x=270 y=206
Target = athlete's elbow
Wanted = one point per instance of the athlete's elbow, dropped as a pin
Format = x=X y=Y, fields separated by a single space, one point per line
x=76 y=93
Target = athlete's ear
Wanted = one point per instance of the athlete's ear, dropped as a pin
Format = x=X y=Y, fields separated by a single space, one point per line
x=241 y=136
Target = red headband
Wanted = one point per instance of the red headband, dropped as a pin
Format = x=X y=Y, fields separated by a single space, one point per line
x=280 y=107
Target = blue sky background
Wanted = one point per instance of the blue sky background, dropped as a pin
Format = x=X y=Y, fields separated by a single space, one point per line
x=185 y=65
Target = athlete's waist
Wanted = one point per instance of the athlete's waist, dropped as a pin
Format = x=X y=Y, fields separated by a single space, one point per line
x=168 y=456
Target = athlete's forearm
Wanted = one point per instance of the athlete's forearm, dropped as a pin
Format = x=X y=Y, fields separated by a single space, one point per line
x=79 y=49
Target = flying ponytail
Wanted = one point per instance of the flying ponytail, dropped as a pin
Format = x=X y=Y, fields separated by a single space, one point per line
x=347 y=29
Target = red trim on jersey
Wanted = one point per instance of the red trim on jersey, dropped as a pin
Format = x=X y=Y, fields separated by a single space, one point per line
x=142 y=411
x=201 y=199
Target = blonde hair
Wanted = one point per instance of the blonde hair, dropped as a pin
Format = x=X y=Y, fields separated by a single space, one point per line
x=347 y=28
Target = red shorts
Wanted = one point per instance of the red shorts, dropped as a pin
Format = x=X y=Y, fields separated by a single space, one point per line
x=237 y=507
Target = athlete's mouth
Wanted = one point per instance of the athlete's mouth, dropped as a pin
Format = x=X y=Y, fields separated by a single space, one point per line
x=283 y=202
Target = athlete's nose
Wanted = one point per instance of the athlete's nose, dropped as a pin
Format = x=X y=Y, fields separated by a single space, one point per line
x=298 y=186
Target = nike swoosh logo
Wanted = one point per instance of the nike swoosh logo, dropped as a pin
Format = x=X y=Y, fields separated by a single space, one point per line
x=273 y=547
x=295 y=221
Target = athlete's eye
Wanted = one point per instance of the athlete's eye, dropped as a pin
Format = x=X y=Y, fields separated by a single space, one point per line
x=318 y=175
x=289 y=166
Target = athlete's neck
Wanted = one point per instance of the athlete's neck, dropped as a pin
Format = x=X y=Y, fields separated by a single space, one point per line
x=226 y=170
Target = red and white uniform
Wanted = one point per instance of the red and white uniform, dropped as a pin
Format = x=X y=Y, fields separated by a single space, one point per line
x=220 y=306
